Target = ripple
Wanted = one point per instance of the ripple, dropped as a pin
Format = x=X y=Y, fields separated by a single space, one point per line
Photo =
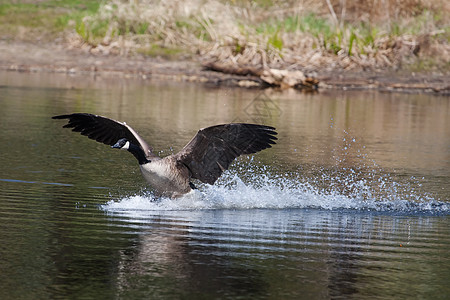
x=34 y=182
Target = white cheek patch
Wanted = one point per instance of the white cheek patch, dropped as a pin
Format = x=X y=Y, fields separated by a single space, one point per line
x=126 y=146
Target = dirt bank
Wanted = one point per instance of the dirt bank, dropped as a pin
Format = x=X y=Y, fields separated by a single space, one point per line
x=57 y=58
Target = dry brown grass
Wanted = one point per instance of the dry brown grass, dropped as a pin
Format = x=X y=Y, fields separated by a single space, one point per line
x=307 y=35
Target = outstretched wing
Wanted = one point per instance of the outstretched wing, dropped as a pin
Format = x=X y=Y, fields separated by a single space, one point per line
x=213 y=149
x=104 y=130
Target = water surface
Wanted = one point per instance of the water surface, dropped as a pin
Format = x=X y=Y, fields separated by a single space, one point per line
x=352 y=202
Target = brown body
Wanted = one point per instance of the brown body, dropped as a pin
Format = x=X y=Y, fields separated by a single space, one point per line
x=167 y=177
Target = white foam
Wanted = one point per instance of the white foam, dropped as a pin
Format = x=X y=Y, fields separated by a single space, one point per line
x=266 y=191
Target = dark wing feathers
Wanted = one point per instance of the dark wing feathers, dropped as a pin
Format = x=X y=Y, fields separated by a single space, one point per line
x=207 y=155
x=213 y=149
x=103 y=130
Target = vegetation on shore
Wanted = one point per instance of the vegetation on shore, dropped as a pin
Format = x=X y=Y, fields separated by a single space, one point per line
x=305 y=35
x=32 y=20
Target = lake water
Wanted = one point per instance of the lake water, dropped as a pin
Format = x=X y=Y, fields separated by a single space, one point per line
x=353 y=202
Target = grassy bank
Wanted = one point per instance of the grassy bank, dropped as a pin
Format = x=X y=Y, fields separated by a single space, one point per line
x=412 y=35
x=42 y=20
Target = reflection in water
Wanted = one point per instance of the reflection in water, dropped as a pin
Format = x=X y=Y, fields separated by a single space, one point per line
x=351 y=203
x=170 y=261
x=285 y=253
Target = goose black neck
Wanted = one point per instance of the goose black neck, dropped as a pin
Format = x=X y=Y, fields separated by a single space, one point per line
x=138 y=153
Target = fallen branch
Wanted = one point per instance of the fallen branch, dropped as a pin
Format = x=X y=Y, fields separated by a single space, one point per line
x=272 y=77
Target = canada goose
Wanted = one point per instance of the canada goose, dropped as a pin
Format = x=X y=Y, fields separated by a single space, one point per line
x=205 y=157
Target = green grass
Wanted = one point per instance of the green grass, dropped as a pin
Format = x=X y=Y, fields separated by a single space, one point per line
x=44 y=17
x=275 y=41
x=350 y=37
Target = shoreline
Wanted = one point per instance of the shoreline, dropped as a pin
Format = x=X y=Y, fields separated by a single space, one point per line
x=56 y=58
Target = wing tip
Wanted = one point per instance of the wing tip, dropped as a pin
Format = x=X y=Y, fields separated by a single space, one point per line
x=68 y=116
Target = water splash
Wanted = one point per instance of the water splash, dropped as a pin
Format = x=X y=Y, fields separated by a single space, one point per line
x=261 y=188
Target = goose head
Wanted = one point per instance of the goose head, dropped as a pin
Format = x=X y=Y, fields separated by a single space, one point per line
x=123 y=144
x=137 y=151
